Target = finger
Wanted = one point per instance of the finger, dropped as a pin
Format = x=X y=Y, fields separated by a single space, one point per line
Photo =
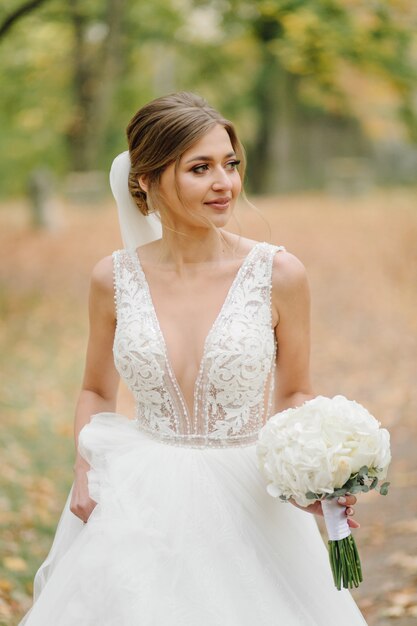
x=350 y=511
x=352 y=523
x=351 y=500
x=347 y=500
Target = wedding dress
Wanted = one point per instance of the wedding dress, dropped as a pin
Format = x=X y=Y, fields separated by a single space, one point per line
x=184 y=532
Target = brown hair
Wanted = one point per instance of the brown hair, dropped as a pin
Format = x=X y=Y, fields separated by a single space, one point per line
x=160 y=132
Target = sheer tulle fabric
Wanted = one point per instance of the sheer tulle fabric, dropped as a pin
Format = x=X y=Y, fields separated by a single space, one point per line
x=184 y=536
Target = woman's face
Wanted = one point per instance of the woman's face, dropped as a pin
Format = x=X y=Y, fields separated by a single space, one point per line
x=207 y=179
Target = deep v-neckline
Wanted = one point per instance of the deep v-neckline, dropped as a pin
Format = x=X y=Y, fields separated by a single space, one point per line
x=161 y=337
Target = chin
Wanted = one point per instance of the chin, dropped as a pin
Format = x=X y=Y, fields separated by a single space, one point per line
x=219 y=218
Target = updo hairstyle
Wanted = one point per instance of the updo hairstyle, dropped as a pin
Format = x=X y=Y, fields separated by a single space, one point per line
x=160 y=133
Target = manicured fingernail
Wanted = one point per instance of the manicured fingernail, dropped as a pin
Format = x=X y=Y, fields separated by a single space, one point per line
x=349 y=511
x=342 y=500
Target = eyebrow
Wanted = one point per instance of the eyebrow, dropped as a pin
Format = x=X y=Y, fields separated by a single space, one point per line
x=209 y=158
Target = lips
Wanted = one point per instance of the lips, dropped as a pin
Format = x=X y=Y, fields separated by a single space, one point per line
x=219 y=203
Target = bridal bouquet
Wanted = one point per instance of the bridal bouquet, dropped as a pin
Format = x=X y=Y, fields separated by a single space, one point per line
x=324 y=449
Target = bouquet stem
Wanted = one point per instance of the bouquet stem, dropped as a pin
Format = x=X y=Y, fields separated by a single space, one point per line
x=343 y=553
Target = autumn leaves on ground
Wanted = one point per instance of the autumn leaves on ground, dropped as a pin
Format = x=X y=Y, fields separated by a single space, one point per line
x=361 y=257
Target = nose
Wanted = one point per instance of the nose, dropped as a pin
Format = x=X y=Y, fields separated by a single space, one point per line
x=221 y=180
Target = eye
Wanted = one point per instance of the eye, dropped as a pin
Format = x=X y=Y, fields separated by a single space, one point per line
x=232 y=165
x=200 y=169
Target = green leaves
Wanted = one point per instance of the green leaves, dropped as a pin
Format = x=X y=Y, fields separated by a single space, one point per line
x=361 y=482
x=383 y=490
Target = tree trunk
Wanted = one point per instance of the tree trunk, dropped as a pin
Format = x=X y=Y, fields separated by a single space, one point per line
x=271 y=157
x=96 y=68
x=296 y=146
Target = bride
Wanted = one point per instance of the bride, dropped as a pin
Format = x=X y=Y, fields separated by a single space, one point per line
x=168 y=521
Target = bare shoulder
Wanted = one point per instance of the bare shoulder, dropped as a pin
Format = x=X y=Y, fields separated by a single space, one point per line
x=102 y=274
x=101 y=288
x=290 y=288
x=288 y=272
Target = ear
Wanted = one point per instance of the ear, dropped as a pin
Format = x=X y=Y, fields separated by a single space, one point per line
x=143 y=183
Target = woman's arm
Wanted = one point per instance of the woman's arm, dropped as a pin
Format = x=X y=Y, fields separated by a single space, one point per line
x=100 y=382
x=291 y=309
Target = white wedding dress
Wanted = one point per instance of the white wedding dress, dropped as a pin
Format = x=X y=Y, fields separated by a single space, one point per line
x=184 y=533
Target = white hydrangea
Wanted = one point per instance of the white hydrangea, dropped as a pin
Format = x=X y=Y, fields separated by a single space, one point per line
x=317 y=447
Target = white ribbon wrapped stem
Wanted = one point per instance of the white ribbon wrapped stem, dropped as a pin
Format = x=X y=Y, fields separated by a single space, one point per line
x=335 y=520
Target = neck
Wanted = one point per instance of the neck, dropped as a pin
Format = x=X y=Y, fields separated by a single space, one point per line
x=199 y=246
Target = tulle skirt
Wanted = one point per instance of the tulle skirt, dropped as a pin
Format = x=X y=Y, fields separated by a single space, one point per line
x=183 y=536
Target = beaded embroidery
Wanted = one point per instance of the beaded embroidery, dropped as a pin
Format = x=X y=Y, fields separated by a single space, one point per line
x=234 y=386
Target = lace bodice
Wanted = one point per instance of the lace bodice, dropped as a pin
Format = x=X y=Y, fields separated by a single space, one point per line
x=234 y=387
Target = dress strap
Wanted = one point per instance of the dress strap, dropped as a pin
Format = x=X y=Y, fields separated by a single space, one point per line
x=272 y=249
x=116 y=279
x=120 y=259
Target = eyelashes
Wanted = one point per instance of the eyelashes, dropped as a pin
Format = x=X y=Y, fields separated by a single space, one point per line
x=204 y=167
x=200 y=169
x=234 y=163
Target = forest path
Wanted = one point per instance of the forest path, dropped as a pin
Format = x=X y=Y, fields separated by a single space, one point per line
x=361 y=258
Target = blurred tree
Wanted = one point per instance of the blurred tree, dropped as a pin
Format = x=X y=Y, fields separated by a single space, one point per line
x=306 y=80
x=303 y=90
x=73 y=74
x=17 y=14
x=96 y=65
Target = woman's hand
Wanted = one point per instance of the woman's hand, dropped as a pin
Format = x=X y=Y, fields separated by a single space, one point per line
x=81 y=503
x=346 y=501
x=99 y=388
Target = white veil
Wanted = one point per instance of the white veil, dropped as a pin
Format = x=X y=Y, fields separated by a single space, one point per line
x=136 y=229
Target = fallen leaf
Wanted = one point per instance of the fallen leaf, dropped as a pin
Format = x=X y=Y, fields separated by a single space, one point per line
x=15 y=564
x=393 y=611
x=5 y=609
x=408 y=526
x=5 y=585
x=404 y=560
x=405 y=597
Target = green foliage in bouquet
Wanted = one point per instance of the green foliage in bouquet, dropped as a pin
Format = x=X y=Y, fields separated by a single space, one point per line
x=363 y=481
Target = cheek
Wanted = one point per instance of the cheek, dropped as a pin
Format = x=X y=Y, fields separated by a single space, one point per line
x=187 y=184
x=190 y=192
x=193 y=190
x=237 y=184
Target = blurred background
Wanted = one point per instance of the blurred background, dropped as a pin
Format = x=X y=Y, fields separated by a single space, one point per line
x=324 y=96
